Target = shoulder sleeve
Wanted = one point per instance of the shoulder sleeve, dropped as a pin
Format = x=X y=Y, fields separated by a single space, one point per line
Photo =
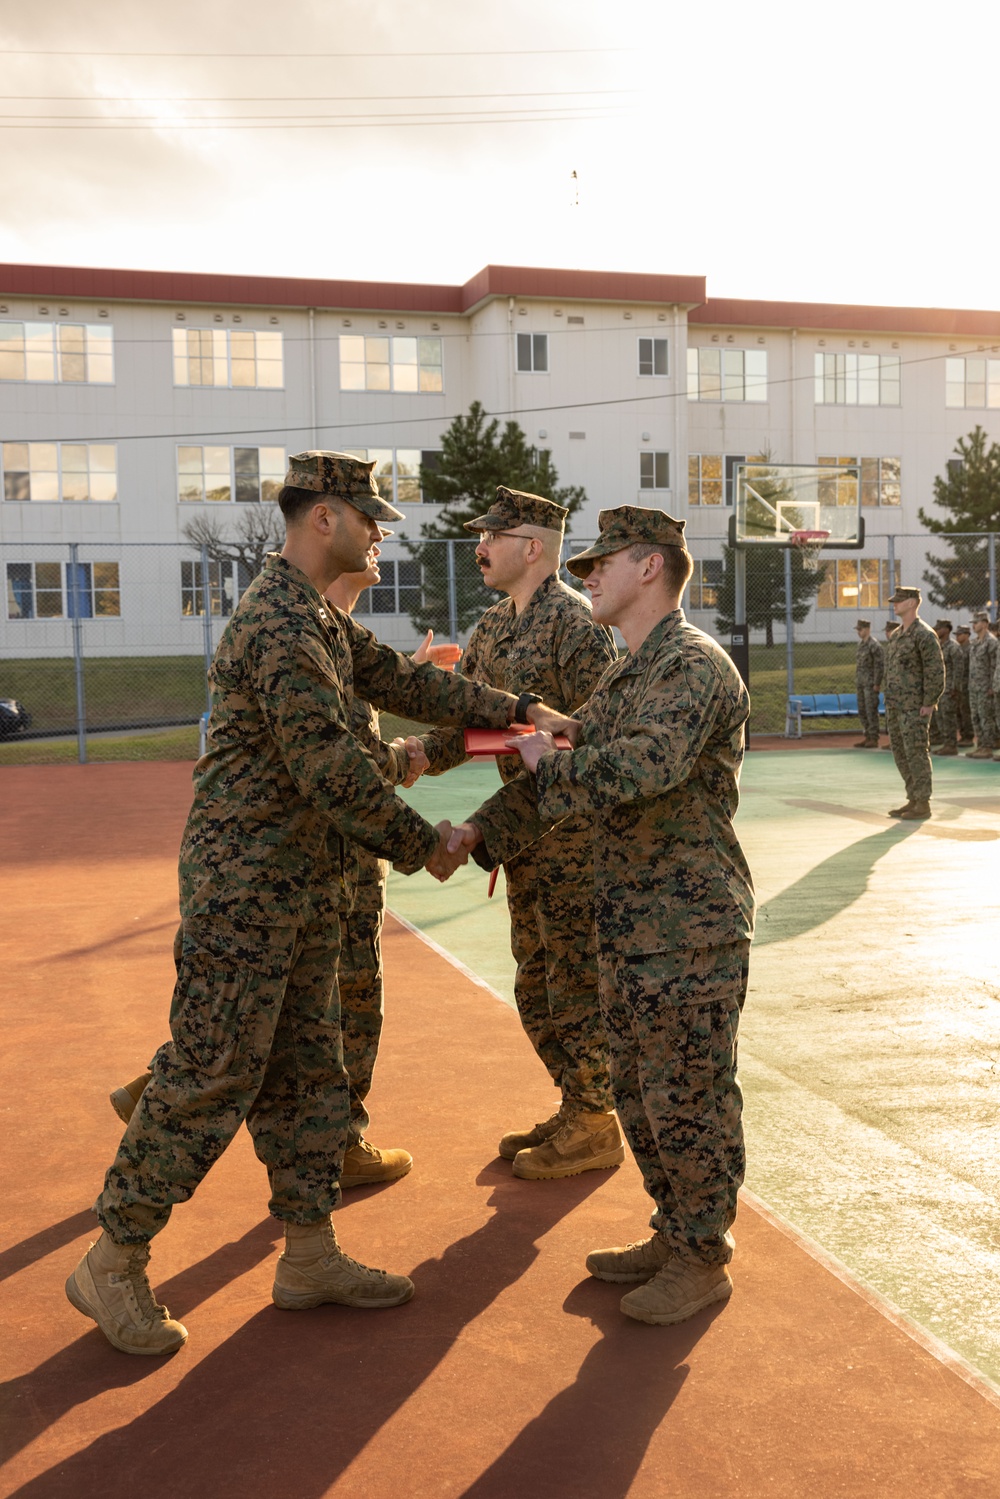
x=426 y=693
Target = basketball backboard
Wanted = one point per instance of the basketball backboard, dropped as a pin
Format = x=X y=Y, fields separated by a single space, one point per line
x=782 y=504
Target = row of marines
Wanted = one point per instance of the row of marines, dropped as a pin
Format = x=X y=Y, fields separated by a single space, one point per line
x=631 y=903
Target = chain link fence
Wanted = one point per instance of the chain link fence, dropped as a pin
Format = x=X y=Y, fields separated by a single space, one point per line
x=104 y=646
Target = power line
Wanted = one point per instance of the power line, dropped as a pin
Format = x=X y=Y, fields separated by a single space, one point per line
x=492 y=52
x=549 y=117
x=302 y=98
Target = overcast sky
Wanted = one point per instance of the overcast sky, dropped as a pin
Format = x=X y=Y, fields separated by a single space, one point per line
x=842 y=155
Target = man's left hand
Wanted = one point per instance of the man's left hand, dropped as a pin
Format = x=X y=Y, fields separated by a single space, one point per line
x=416 y=756
x=550 y=722
x=531 y=747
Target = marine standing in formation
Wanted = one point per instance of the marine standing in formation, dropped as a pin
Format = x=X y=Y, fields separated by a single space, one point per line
x=868 y=681
x=965 y=730
x=255 y=1021
x=656 y=768
x=542 y=640
x=914 y=679
x=944 y=724
x=982 y=692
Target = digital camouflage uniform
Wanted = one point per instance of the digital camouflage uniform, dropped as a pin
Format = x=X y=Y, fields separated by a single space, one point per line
x=914 y=679
x=983 y=656
x=868 y=681
x=657 y=768
x=944 y=722
x=255 y=1018
x=965 y=729
x=554 y=649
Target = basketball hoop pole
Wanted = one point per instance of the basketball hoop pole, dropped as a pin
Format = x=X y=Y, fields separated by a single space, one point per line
x=739 y=648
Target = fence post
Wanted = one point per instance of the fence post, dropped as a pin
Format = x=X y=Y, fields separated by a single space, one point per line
x=81 y=696
x=992 y=545
x=789 y=625
x=206 y=622
x=452 y=592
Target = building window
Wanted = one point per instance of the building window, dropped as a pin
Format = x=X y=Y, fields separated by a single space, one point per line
x=59 y=471
x=972 y=382
x=654 y=470
x=398 y=471
x=857 y=379
x=223 y=587
x=77 y=353
x=705 y=479
x=727 y=374
x=857 y=583
x=246 y=358
x=58 y=590
x=248 y=475
x=879 y=479
x=703 y=590
x=653 y=356
x=399 y=592
x=403 y=364
x=533 y=353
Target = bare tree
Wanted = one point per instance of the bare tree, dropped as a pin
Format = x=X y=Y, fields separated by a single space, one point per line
x=260 y=529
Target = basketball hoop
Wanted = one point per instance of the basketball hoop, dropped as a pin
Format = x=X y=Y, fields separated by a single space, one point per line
x=809 y=545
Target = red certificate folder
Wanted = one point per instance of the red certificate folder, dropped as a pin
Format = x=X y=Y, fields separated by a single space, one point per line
x=483 y=744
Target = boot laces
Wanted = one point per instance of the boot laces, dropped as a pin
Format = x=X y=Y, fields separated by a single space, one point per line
x=134 y=1275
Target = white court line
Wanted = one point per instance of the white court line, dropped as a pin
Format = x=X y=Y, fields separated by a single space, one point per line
x=980 y=1382
x=443 y=952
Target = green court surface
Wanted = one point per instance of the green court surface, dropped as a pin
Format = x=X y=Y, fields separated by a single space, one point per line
x=870 y=1049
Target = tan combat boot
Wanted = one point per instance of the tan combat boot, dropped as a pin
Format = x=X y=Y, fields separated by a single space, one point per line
x=523 y=1139
x=676 y=1292
x=630 y=1263
x=109 y=1285
x=979 y=754
x=124 y=1100
x=314 y=1269
x=365 y=1166
x=583 y=1142
x=916 y=812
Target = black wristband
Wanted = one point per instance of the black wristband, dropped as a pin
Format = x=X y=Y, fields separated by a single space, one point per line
x=522 y=705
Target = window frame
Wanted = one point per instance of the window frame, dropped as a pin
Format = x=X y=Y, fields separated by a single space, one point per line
x=93 y=594
x=535 y=342
x=228 y=334
x=102 y=332
x=697 y=380
x=365 y=454
x=652 y=373
x=883 y=477
x=698 y=584
x=849 y=593
x=231 y=449
x=223 y=581
x=59 y=471
x=990 y=383
x=393 y=585
x=391 y=364
x=654 y=454
x=841 y=370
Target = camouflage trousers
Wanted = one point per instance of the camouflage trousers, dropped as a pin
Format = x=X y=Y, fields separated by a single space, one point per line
x=868 y=709
x=361 y=1007
x=965 y=729
x=909 y=738
x=944 y=723
x=672 y=1021
x=983 y=717
x=255 y=1036
x=553 y=942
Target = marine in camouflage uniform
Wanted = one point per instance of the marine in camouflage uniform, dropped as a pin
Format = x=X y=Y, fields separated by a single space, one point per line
x=868 y=680
x=944 y=722
x=913 y=682
x=983 y=654
x=965 y=729
x=551 y=647
x=255 y=1016
x=656 y=768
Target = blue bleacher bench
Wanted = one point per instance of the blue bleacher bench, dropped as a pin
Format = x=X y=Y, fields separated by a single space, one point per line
x=821 y=705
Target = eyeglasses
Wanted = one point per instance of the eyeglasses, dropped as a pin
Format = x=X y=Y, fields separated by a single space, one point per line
x=491 y=536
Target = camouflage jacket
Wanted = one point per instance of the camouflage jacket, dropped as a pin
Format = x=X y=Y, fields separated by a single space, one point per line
x=914 y=668
x=983 y=656
x=283 y=767
x=868 y=671
x=552 y=648
x=364 y=872
x=954 y=662
x=657 y=770
x=962 y=669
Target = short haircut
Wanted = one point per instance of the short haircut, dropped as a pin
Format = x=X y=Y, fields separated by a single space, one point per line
x=678 y=564
x=295 y=502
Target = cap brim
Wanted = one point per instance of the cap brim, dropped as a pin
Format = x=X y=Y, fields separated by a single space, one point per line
x=582 y=565
x=375 y=509
x=489 y=523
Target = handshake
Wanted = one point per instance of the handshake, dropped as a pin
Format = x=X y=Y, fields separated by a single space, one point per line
x=454 y=846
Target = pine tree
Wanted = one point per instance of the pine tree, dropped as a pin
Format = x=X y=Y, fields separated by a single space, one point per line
x=970 y=493
x=476 y=456
x=765 y=590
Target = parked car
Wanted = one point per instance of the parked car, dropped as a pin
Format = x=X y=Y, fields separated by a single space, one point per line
x=14 y=718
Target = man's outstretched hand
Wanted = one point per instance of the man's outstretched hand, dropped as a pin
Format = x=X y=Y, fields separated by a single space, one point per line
x=531 y=747
x=446 y=655
x=550 y=722
x=465 y=836
x=416 y=756
x=451 y=852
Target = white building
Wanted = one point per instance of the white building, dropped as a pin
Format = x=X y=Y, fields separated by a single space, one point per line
x=132 y=401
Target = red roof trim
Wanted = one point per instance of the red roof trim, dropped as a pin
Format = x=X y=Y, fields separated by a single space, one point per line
x=732 y=312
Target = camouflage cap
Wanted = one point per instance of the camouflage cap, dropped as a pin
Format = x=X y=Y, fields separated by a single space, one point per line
x=980 y=617
x=624 y=527
x=891 y=625
x=963 y=630
x=513 y=507
x=342 y=477
x=943 y=624
x=863 y=624
x=902 y=595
